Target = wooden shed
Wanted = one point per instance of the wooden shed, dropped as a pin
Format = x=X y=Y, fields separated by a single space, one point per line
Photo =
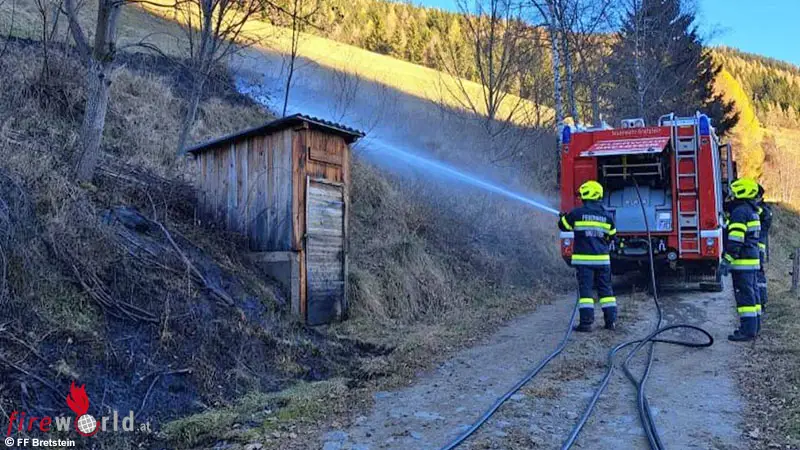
x=285 y=185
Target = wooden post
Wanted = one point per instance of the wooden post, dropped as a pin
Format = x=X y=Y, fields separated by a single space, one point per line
x=795 y=270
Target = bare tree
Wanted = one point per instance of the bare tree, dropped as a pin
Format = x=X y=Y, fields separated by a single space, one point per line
x=496 y=32
x=587 y=33
x=99 y=61
x=298 y=15
x=547 y=12
x=49 y=13
x=571 y=27
x=346 y=86
x=214 y=30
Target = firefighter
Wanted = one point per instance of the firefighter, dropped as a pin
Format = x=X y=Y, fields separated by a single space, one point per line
x=594 y=228
x=741 y=257
x=765 y=216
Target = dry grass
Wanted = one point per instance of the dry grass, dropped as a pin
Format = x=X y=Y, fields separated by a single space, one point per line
x=433 y=269
x=412 y=79
x=153 y=25
x=118 y=309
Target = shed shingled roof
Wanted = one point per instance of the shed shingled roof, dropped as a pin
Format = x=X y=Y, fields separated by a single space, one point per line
x=349 y=134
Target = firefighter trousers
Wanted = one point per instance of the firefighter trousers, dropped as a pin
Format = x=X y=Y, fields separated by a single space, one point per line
x=762 y=284
x=589 y=279
x=746 y=294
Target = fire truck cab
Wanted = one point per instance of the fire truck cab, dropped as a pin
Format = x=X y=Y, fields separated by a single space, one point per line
x=683 y=174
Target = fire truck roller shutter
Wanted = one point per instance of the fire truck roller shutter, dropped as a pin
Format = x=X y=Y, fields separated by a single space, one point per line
x=624 y=204
x=637 y=146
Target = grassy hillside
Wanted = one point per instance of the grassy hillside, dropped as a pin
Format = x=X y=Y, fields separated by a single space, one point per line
x=94 y=288
x=400 y=75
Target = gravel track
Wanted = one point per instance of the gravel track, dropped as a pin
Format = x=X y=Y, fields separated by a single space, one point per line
x=692 y=391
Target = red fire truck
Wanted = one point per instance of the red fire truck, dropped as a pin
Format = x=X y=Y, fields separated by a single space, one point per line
x=683 y=174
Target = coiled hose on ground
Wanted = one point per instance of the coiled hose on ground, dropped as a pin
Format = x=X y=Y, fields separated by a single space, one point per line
x=645 y=414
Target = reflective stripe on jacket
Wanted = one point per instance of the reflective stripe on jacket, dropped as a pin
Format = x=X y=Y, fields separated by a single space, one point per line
x=593 y=227
x=743 y=236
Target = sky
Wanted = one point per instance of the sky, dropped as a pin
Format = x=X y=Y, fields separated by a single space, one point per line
x=765 y=27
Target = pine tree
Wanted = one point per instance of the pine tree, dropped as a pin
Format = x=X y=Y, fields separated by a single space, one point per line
x=659 y=65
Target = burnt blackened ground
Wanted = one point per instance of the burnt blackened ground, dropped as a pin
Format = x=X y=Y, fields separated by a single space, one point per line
x=114 y=284
x=199 y=352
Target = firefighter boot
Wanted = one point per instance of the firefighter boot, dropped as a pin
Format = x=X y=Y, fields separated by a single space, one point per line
x=585 y=314
x=738 y=336
x=583 y=327
x=610 y=317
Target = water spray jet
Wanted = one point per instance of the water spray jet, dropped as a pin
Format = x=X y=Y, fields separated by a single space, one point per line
x=382 y=145
x=443 y=169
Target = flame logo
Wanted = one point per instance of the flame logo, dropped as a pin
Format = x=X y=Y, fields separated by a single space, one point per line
x=77 y=400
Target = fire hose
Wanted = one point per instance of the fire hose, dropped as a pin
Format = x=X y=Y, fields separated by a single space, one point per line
x=642 y=404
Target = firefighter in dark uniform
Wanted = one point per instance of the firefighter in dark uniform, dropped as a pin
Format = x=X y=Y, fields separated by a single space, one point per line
x=765 y=216
x=741 y=257
x=594 y=228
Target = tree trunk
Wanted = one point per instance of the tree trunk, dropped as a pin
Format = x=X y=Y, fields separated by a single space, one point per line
x=293 y=54
x=191 y=114
x=94 y=119
x=573 y=107
x=288 y=82
x=594 y=86
x=559 y=108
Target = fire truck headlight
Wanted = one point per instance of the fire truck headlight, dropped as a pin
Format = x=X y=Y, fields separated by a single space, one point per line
x=672 y=256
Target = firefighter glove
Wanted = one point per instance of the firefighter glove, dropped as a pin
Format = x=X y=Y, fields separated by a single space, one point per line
x=724 y=267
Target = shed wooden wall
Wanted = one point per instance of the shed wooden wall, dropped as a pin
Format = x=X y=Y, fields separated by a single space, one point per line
x=258 y=186
x=247 y=186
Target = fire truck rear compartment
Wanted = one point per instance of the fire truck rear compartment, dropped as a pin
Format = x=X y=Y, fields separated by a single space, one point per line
x=652 y=172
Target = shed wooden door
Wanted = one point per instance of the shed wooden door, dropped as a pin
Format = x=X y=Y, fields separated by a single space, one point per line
x=325 y=258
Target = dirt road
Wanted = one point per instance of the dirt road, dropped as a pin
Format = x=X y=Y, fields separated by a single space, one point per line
x=692 y=391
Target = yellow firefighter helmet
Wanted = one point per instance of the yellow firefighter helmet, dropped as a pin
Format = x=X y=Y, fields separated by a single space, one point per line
x=744 y=189
x=591 y=190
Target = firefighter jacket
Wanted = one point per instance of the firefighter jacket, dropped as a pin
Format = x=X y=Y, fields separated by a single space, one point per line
x=593 y=227
x=743 y=234
x=765 y=216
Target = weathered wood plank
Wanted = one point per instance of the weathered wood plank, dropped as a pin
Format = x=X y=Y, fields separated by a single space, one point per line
x=324 y=147
x=241 y=185
x=325 y=252
x=261 y=207
x=231 y=201
x=269 y=177
x=298 y=190
x=286 y=179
